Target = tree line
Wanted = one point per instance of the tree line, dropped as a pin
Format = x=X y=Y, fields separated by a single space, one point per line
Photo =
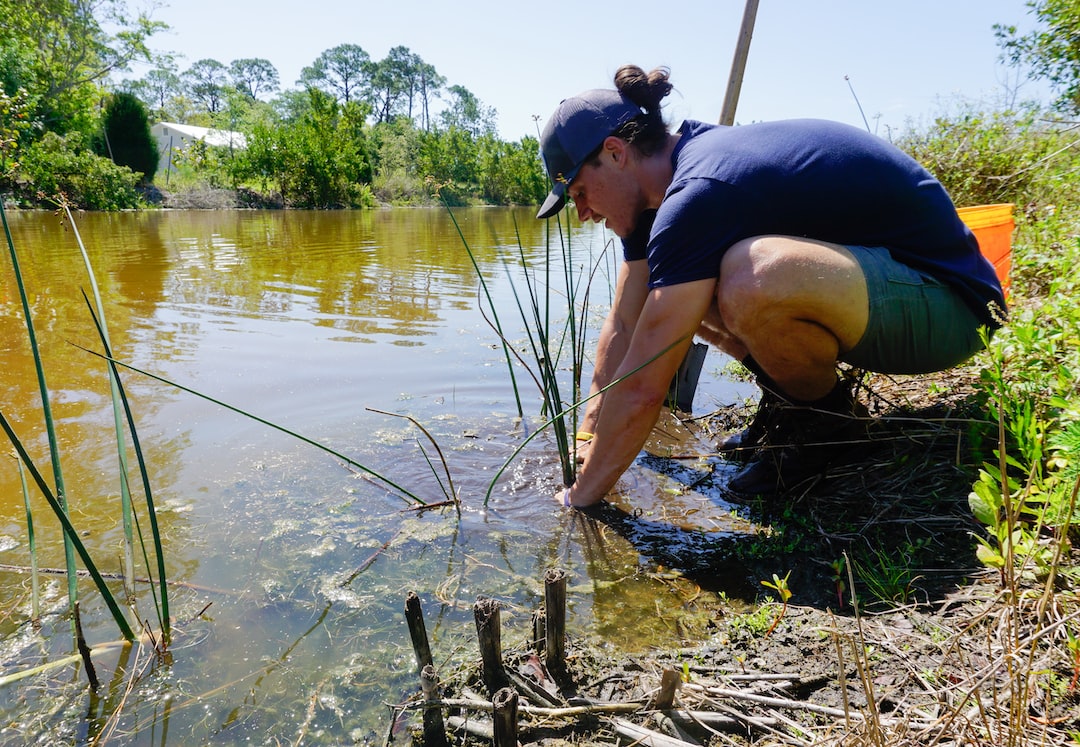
x=352 y=132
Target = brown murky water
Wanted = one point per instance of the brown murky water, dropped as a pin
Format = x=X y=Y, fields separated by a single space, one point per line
x=306 y=320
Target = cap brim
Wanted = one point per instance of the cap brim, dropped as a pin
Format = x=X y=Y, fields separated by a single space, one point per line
x=554 y=202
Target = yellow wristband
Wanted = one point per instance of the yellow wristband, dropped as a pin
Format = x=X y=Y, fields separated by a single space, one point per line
x=583 y=436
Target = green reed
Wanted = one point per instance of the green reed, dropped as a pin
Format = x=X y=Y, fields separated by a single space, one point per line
x=35 y=594
x=548 y=341
x=120 y=400
x=126 y=510
x=402 y=492
x=50 y=427
x=494 y=314
x=70 y=533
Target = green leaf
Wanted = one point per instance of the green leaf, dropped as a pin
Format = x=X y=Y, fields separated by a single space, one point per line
x=988 y=556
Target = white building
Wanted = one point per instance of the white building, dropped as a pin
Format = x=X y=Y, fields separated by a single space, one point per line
x=171 y=136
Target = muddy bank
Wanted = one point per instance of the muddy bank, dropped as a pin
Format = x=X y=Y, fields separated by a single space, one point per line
x=894 y=633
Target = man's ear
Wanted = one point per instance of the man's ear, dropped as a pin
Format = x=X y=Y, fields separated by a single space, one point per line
x=615 y=148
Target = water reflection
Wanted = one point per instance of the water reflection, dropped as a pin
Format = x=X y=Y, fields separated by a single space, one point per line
x=308 y=319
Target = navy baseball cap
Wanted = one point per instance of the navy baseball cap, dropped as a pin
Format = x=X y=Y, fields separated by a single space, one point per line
x=577 y=128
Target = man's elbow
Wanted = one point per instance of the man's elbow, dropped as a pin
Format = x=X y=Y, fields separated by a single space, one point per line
x=643 y=397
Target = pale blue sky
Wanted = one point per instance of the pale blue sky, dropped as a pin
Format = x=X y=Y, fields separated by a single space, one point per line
x=906 y=61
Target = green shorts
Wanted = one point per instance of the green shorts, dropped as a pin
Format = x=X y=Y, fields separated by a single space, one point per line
x=917 y=323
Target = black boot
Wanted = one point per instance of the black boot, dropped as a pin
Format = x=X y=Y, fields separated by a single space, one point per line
x=802 y=441
x=742 y=444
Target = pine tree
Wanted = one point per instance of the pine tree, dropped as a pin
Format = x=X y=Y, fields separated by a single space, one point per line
x=128 y=140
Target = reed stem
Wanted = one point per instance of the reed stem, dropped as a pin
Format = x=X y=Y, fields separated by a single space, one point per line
x=50 y=427
x=404 y=494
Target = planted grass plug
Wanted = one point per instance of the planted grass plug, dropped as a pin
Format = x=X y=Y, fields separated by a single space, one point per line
x=856 y=256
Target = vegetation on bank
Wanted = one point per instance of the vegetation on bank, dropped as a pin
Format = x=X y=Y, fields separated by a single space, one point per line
x=354 y=133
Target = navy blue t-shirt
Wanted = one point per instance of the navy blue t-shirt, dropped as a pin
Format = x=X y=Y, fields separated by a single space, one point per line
x=809 y=178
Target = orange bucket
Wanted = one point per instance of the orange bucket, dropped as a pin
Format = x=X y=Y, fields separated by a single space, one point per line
x=993 y=226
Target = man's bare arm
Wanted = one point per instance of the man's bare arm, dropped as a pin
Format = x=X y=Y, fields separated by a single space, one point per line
x=665 y=328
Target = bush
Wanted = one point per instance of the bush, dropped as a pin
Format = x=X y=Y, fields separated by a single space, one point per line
x=127 y=137
x=63 y=168
x=987 y=158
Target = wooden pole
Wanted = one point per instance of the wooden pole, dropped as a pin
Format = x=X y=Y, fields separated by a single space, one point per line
x=669 y=684
x=738 y=63
x=539 y=623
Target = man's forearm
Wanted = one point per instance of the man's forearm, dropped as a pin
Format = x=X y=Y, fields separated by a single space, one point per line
x=611 y=348
x=620 y=432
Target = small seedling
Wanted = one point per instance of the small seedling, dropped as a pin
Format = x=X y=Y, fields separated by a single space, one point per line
x=780 y=586
x=837 y=567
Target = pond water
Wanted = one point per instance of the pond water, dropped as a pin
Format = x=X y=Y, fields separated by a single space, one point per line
x=290 y=567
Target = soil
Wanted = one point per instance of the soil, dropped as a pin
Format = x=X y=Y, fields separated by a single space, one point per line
x=930 y=649
x=210 y=198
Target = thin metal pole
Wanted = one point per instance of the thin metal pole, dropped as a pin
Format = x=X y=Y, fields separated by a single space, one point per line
x=738 y=63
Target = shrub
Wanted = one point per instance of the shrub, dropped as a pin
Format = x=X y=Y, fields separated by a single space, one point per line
x=62 y=167
x=987 y=158
x=127 y=137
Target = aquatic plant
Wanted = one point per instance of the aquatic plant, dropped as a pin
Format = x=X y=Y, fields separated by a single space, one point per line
x=548 y=340
x=404 y=494
x=46 y=411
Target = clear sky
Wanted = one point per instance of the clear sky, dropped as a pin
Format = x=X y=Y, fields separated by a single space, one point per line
x=906 y=61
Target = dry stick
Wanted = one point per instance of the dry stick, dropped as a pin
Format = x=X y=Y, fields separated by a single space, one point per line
x=505 y=709
x=533 y=692
x=675 y=728
x=877 y=734
x=414 y=616
x=768 y=725
x=841 y=671
x=592 y=709
x=368 y=561
x=647 y=737
x=479 y=729
x=713 y=720
x=794 y=705
x=990 y=669
x=113 y=577
x=488 y=630
x=1059 y=550
x=434 y=729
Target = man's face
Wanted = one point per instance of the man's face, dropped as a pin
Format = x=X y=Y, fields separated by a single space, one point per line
x=604 y=190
